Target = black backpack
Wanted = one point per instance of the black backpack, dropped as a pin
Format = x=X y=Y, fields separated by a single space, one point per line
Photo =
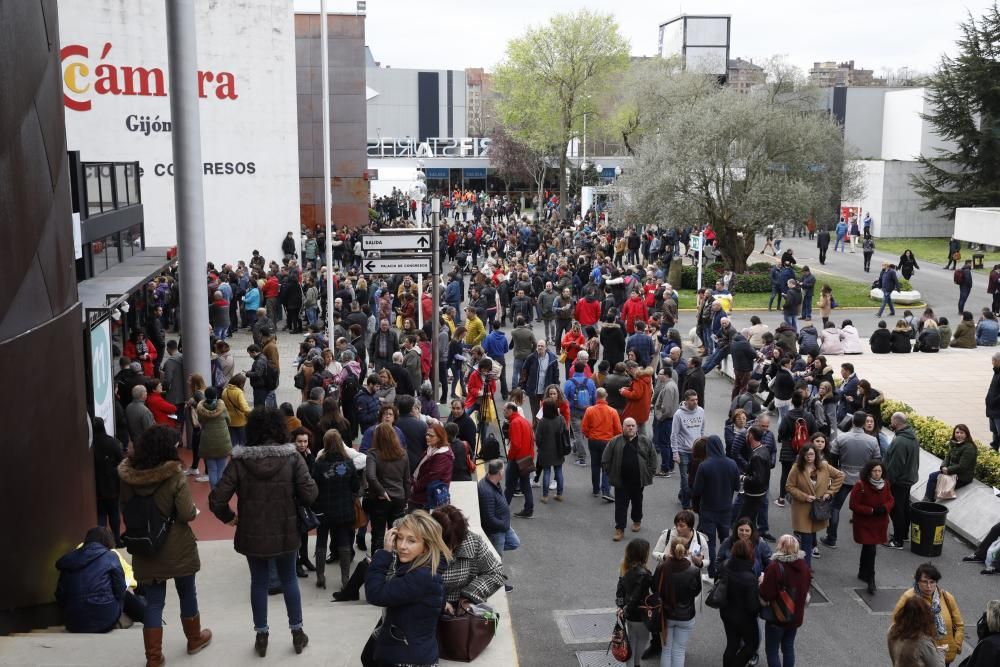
x=270 y=375
x=146 y=529
x=489 y=449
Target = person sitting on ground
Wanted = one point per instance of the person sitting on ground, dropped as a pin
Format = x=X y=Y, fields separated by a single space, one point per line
x=965 y=333
x=944 y=331
x=987 y=329
x=928 y=340
x=831 y=340
x=881 y=339
x=850 y=338
x=990 y=543
x=901 y=337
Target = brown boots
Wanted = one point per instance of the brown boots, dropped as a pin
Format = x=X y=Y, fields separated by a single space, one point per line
x=152 y=638
x=197 y=638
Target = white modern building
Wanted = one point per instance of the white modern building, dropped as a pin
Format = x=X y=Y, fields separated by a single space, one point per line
x=117 y=102
x=701 y=41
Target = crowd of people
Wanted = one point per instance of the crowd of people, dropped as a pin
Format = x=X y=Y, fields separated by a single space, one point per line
x=610 y=384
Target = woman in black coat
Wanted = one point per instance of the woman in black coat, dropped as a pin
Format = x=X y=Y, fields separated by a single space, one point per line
x=739 y=613
x=907 y=262
x=107 y=455
x=338 y=483
x=901 y=338
x=612 y=339
x=549 y=440
x=881 y=339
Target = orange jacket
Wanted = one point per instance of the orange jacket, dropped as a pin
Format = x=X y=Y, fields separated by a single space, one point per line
x=639 y=396
x=572 y=343
x=601 y=422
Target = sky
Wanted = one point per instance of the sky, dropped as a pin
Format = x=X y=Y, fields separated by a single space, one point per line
x=876 y=34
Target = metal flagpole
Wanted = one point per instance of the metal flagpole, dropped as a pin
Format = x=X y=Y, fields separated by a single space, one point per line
x=436 y=380
x=182 y=57
x=324 y=69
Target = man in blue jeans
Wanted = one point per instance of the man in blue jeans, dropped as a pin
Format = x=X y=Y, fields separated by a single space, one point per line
x=714 y=483
x=889 y=283
x=688 y=425
x=853 y=450
x=599 y=425
x=494 y=512
x=665 y=403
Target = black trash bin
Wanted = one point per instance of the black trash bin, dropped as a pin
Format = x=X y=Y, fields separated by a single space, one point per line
x=927 y=521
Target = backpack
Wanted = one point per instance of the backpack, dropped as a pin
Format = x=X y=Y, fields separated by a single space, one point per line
x=437 y=495
x=270 y=375
x=145 y=528
x=781 y=610
x=819 y=414
x=957 y=277
x=800 y=434
x=299 y=380
x=218 y=377
x=581 y=400
x=490 y=449
x=349 y=388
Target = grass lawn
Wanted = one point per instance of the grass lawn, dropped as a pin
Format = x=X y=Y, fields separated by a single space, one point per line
x=932 y=251
x=848 y=293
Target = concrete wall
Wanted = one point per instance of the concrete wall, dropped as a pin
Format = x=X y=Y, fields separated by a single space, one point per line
x=863 y=121
x=902 y=127
x=393 y=112
x=894 y=205
x=978 y=225
x=348 y=124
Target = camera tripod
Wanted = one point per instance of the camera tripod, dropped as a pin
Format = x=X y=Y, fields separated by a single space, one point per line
x=486 y=401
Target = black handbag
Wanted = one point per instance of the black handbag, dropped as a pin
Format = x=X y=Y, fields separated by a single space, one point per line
x=565 y=442
x=719 y=593
x=305 y=518
x=821 y=510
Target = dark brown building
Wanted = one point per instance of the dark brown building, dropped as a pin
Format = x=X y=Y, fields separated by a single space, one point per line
x=348 y=122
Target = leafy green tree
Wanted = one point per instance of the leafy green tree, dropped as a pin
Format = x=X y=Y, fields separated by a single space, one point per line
x=965 y=96
x=738 y=163
x=549 y=77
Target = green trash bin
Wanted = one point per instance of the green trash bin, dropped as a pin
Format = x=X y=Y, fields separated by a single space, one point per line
x=927 y=522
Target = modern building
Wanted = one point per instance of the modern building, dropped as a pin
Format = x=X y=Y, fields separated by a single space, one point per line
x=701 y=41
x=116 y=94
x=829 y=74
x=479 y=102
x=743 y=75
x=348 y=123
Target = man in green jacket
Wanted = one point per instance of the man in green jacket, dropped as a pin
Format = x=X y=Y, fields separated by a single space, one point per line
x=902 y=462
x=960 y=461
x=629 y=461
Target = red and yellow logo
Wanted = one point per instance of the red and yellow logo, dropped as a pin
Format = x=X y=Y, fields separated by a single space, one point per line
x=82 y=80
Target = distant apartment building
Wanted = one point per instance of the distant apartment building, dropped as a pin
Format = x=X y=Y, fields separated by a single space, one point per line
x=478 y=102
x=743 y=75
x=829 y=74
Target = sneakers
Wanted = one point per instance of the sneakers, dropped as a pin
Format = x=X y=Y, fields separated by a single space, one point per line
x=663 y=473
x=780 y=502
x=191 y=471
x=827 y=542
x=525 y=515
x=596 y=494
x=608 y=498
x=201 y=478
x=636 y=526
x=989 y=571
x=619 y=534
x=892 y=544
x=518 y=494
x=536 y=484
x=816 y=553
x=581 y=462
x=972 y=558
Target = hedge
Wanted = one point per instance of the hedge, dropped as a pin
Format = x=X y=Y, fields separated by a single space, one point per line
x=934 y=435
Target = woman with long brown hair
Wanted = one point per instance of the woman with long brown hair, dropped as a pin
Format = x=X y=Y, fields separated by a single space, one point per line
x=911 y=636
x=389 y=481
x=338 y=483
x=435 y=466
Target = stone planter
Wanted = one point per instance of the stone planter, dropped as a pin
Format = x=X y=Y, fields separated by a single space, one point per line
x=899 y=298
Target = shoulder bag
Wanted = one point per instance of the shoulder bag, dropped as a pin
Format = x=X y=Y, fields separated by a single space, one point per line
x=465 y=635
x=780 y=610
x=719 y=594
x=821 y=510
x=526 y=465
x=653 y=606
x=620 y=647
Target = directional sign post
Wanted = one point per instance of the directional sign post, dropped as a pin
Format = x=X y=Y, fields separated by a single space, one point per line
x=398 y=264
x=398 y=240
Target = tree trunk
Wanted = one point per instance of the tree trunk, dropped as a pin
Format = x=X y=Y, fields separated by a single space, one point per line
x=562 y=183
x=735 y=250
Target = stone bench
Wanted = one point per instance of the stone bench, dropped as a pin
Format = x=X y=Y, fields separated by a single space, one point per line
x=972 y=513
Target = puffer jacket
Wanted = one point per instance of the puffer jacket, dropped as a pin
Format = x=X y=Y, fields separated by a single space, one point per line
x=91 y=588
x=268 y=479
x=166 y=483
x=639 y=396
x=236 y=405
x=831 y=342
x=851 y=339
x=215 y=442
x=337 y=483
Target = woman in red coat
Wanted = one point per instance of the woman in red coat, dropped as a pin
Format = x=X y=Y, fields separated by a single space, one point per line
x=436 y=466
x=572 y=342
x=161 y=408
x=141 y=349
x=871 y=502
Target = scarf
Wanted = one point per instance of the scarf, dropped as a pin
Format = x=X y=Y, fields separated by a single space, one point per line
x=935 y=603
x=427 y=457
x=878 y=484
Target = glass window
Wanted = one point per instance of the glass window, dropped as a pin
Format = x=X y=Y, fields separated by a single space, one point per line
x=97 y=257
x=131 y=176
x=107 y=194
x=111 y=250
x=121 y=185
x=132 y=241
x=93 y=189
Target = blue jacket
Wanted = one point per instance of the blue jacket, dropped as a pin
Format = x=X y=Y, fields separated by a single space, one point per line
x=889 y=282
x=366 y=404
x=530 y=370
x=642 y=344
x=573 y=385
x=495 y=345
x=91 y=588
x=986 y=332
x=494 y=512
x=366 y=438
x=841 y=229
x=787 y=273
x=716 y=479
x=413 y=600
x=251 y=300
x=453 y=292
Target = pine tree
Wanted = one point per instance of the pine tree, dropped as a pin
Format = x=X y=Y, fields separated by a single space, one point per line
x=965 y=96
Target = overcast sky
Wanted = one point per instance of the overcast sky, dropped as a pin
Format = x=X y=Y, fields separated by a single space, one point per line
x=876 y=34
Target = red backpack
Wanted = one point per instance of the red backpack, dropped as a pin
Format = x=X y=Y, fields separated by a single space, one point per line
x=957 y=276
x=800 y=434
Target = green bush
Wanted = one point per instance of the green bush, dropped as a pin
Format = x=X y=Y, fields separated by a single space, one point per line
x=759 y=267
x=689 y=276
x=372 y=215
x=934 y=434
x=904 y=285
x=752 y=282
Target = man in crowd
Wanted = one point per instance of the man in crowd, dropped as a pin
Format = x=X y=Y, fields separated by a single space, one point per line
x=688 y=425
x=630 y=463
x=853 y=450
x=600 y=424
x=494 y=512
x=902 y=464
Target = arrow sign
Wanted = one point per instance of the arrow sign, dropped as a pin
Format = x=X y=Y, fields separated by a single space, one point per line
x=418 y=239
x=409 y=264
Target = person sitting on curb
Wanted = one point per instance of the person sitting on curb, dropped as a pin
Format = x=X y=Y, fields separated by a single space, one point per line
x=982 y=554
x=960 y=461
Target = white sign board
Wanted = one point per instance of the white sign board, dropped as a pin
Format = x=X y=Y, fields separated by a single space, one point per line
x=420 y=241
x=411 y=264
x=100 y=372
x=116 y=91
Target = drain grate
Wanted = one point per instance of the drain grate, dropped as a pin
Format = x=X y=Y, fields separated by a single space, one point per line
x=585 y=626
x=882 y=603
x=596 y=659
x=817 y=597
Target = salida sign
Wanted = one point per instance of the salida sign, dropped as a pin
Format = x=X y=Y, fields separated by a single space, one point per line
x=83 y=79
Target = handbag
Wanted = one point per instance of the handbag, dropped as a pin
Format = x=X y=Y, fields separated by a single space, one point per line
x=526 y=466
x=305 y=518
x=464 y=636
x=653 y=606
x=719 y=593
x=620 y=647
x=821 y=510
x=360 y=518
x=368 y=652
x=945 y=488
x=565 y=442
x=781 y=609
x=562 y=357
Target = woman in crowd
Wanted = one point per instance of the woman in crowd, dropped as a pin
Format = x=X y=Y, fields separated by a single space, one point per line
x=333 y=418
x=550 y=431
x=739 y=612
x=744 y=529
x=215 y=443
x=911 y=636
x=870 y=429
x=386 y=391
x=270 y=478
x=141 y=349
x=987 y=329
x=108 y=455
x=949 y=628
x=811 y=480
x=850 y=338
x=831 y=340
x=900 y=337
x=634 y=585
x=944 y=330
x=679 y=588
x=789 y=572
x=153 y=469
x=826 y=301
x=572 y=342
x=555 y=393
x=987 y=651
x=435 y=466
x=235 y=400
x=413 y=596
x=880 y=341
x=191 y=431
x=164 y=412
x=965 y=333
x=302 y=439
x=870 y=401
x=871 y=502
x=907 y=263
x=929 y=339
x=456 y=358
x=959 y=461
x=737 y=425
x=93 y=592
x=337 y=484
x=475 y=571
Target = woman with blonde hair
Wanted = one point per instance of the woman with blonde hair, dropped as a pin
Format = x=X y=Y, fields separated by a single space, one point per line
x=679 y=585
x=787 y=572
x=413 y=596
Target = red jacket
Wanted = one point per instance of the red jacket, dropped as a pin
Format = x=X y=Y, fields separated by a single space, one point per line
x=474 y=390
x=639 y=396
x=161 y=408
x=588 y=312
x=147 y=364
x=572 y=343
x=633 y=310
x=868 y=528
x=436 y=468
x=426 y=306
x=796 y=574
x=271 y=288
x=522 y=438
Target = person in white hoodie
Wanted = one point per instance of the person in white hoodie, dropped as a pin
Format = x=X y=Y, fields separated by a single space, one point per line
x=850 y=338
x=688 y=425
